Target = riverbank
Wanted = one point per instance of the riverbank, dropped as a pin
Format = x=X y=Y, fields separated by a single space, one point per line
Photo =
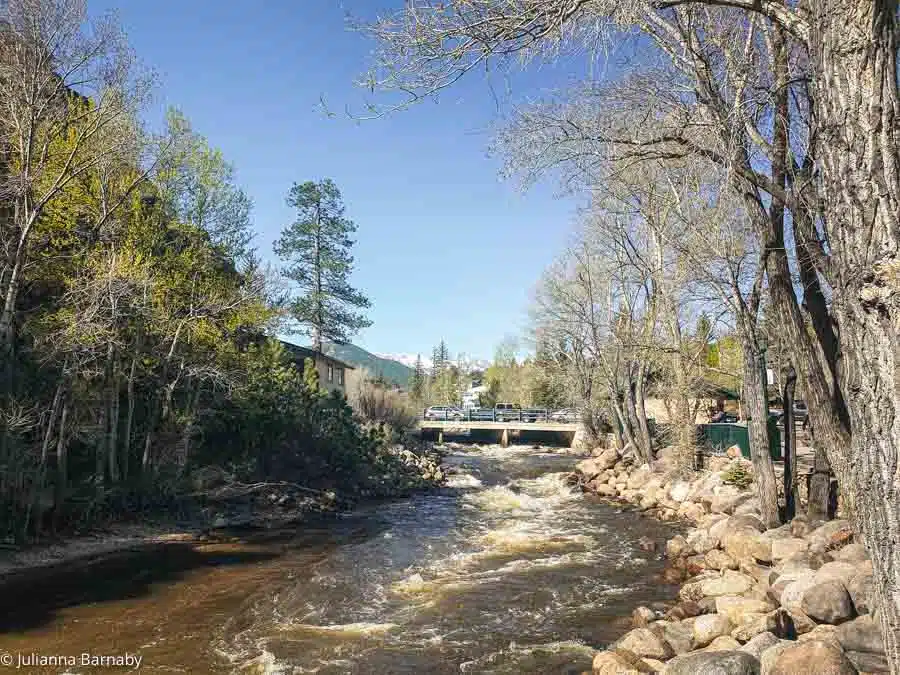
x=223 y=510
x=786 y=601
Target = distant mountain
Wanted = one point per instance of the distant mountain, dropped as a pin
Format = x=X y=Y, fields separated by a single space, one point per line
x=409 y=360
x=392 y=370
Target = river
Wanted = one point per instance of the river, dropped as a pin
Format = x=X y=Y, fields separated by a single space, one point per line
x=506 y=570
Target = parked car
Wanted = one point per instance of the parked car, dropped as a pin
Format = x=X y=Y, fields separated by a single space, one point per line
x=482 y=414
x=444 y=412
x=506 y=412
x=564 y=415
x=533 y=414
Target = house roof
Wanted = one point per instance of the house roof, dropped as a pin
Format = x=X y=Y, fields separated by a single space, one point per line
x=299 y=352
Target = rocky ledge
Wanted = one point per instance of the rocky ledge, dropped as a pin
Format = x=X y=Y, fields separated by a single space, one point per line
x=793 y=600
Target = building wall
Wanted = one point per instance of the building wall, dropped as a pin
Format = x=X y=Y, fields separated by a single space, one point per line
x=322 y=365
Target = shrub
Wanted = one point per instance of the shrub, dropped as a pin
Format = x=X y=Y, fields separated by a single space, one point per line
x=376 y=405
x=737 y=474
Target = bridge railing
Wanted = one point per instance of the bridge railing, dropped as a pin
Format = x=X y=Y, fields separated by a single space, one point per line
x=494 y=415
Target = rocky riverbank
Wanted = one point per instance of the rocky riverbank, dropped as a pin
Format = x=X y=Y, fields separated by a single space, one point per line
x=787 y=601
x=222 y=507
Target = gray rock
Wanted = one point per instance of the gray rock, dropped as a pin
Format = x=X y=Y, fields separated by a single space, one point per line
x=828 y=602
x=841 y=571
x=619 y=662
x=713 y=663
x=708 y=627
x=645 y=642
x=730 y=583
x=750 y=520
x=867 y=662
x=785 y=548
x=760 y=643
x=719 y=560
x=676 y=547
x=679 y=634
x=723 y=643
x=812 y=658
x=862 y=591
x=642 y=616
x=862 y=634
x=852 y=553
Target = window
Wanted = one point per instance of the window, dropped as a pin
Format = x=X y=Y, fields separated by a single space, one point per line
x=341 y=376
x=330 y=373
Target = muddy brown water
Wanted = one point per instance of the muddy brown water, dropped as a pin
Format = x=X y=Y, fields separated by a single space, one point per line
x=507 y=570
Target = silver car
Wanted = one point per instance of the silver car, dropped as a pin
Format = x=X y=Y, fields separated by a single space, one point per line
x=444 y=412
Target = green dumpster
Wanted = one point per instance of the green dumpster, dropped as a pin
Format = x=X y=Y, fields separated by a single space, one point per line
x=722 y=436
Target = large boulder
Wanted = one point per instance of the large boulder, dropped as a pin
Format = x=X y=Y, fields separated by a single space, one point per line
x=867 y=662
x=832 y=535
x=701 y=541
x=679 y=634
x=713 y=663
x=862 y=591
x=840 y=571
x=679 y=491
x=851 y=553
x=786 y=547
x=642 y=616
x=760 y=643
x=619 y=662
x=718 y=530
x=747 y=544
x=708 y=627
x=723 y=643
x=639 y=477
x=730 y=583
x=676 y=547
x=717 y=559
x=770 y=655
x=828 y=602
x=863 y=634
x=792 y=594
x=645 y=642
x=727 y=499
x=778 y=622
x=736 y=607
x=812 y=658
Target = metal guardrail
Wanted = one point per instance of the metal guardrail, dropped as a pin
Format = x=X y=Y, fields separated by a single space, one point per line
x=497 y=415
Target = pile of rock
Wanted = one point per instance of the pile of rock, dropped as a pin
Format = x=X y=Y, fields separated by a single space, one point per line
x=795 y=599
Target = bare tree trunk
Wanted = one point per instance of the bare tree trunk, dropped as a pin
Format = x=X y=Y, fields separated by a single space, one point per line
x=129 y=419
x=757 y=426
x=113 y=443
x=62 y=468
x=854 y=49
x=641 y=411
x=790 y=446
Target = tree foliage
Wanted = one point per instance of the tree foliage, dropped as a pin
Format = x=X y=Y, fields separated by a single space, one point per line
x=316 y=251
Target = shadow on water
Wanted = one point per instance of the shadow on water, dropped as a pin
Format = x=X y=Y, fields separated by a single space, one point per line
x=32 y=598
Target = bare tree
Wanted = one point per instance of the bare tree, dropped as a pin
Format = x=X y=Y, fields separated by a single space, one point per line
x=842 y=188
x=63 y=86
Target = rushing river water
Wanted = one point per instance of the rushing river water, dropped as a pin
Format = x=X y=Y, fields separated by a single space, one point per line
x=507 y=570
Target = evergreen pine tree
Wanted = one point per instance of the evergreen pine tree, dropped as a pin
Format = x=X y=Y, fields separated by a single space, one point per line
x=316 y=251
x=417 y=380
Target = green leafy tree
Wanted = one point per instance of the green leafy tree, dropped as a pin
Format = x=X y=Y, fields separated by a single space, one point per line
x=316 y=251
x=310 y=376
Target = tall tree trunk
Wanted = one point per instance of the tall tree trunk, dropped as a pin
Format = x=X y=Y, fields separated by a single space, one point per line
x=114 y=401
x=853 y=47
x=129 y=419
x=641 y=411
x=62 y=464
x=758 y=429
x=790 y=445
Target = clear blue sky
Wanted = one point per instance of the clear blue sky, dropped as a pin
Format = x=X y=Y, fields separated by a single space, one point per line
x=444 y=248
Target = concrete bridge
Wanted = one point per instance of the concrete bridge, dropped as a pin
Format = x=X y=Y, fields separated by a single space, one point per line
x=502 y=430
